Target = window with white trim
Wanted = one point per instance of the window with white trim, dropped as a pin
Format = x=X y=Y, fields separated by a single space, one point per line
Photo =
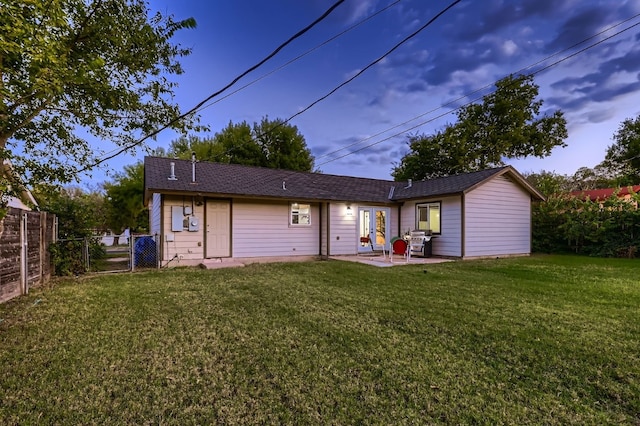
x=300 y=214
x=428 y=217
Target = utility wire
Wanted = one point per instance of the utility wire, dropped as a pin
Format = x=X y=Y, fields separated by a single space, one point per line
x=476 y=99
x=359 y=73
x=302 y=55
x=349 y=80
x=201 y=103
x=466 y=95
x=286 y=64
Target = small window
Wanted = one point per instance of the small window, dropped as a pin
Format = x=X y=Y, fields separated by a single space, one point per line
x=300 y=214
x=428 y=217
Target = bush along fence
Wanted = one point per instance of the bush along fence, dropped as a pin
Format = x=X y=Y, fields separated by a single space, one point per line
x=25 y=260
x=606 y=228
x=78 y=256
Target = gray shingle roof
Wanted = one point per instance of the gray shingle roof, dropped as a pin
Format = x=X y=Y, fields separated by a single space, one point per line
x=237 y=180
x=455 y=184
x=247 y=181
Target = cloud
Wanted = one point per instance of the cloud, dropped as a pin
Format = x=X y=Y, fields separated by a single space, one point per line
x=491 y=16
x=355 y=10
x=613 y=78
x=599 y=115
x=579 y=27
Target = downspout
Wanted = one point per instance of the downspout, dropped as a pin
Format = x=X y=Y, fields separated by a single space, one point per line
x=530 y=226
x=320 y=206
x=463 y=226
x=400 y=219
x=328 y=221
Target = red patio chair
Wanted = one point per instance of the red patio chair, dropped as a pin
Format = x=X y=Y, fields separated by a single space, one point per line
x=399 y=247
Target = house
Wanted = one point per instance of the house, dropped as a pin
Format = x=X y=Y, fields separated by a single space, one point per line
x=205 y=210
x=603 y=194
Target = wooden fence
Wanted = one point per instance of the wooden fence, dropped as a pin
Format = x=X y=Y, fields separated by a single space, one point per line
x=25 y=260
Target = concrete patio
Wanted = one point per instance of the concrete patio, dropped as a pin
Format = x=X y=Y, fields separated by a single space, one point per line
x=385 y=261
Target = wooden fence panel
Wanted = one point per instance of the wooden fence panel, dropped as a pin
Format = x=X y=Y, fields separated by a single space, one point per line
x=36 y=235
x=10 y=255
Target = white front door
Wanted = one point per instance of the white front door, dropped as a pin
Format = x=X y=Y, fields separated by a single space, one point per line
x=373 y=226
x=218 y=218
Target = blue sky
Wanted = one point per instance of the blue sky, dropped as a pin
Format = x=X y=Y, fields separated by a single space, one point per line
x=471 y=46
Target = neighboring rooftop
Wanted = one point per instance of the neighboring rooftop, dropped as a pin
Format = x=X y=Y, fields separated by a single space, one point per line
x=603 y=194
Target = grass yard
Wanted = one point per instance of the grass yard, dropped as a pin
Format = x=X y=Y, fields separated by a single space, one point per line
x=540 y=340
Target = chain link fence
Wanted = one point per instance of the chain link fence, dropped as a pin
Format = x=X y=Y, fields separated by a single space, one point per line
x=101 y=254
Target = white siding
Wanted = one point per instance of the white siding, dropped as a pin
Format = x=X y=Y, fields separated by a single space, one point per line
x=344 y=232
x=497 y=219
x=449 y=242
x=187 y=245
x=155 y=208
x=343 y=235
x=324 y=250
x=262 y=229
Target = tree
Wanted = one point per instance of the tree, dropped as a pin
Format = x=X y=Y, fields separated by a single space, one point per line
x=549 y=183
x=80 y=214
x=272 y=144
x=507 y=124
x=70 y=68
x=124 y=201
x=623 y=157
x=599 y=177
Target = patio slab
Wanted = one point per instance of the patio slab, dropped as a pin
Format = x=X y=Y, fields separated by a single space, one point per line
x=385 y=262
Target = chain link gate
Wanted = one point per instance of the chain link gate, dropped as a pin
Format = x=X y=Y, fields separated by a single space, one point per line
x=102 y=254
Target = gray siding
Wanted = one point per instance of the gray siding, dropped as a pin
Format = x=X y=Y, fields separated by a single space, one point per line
x=448 y=243
x=262 y=229
x=154 y=214
x=344 y=231
x=185 y=245
x=498 y=219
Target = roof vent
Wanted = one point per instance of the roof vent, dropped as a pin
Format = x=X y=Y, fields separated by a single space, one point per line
x=391 y=191
x=172 y=173
x=409 y=184
x=193 y=167
x=284 y=185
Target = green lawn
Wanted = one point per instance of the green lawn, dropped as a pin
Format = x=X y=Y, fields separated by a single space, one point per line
x=540 y=340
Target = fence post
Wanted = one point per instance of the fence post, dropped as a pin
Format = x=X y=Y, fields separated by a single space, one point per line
x=85 y=253
x=132 y=259
x=24 y=262
x=156 y=237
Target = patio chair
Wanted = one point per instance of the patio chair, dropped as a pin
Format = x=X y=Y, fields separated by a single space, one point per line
x=369 y=242
x=399 y=247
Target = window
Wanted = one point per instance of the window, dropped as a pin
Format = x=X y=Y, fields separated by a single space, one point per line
x=428 y=217
x=300 y=214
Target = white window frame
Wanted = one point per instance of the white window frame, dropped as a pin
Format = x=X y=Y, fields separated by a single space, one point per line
x=300 y=214
x=429 y=206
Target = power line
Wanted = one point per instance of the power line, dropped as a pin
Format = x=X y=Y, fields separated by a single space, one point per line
x=286 y=64
x=201 y=103
x=359 y=73
x=302 y=55
x=538 y=71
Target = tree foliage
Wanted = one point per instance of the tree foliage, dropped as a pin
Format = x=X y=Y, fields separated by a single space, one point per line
x=607 y=228
x=80 y=214
x=623 y=157
x=124 y=201
x=549 y=183
x=71 y=70
x=507 y=124
x=270 y=143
